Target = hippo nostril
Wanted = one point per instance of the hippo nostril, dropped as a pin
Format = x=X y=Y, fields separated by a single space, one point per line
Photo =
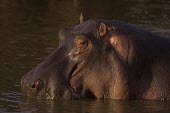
x=37 y=84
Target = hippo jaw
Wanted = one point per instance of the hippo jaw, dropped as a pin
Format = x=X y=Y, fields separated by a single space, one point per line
x=51 y=88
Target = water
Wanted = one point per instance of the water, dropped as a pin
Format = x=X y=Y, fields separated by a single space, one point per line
x=29 y=33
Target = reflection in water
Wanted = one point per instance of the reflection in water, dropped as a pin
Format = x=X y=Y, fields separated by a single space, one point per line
x=29 y=33
x=96 y=106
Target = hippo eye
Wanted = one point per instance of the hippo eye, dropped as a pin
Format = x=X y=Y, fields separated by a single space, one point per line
x=81 y=41
x=37 y=84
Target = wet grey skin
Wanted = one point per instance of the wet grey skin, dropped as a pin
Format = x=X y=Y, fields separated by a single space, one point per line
x=103 y=59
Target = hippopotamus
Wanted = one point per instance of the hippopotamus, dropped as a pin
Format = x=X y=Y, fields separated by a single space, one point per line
x=103 y=59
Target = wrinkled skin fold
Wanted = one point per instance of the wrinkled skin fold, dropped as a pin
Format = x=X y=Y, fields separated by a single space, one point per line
x=103 y=59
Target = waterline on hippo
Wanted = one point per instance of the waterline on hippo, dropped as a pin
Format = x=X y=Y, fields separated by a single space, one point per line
x=103 y=59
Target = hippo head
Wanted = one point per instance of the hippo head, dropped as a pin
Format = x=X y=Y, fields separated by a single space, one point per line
x=80 y=66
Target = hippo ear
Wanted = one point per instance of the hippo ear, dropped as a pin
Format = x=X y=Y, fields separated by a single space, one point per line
x=102 y=29
x=81 y=18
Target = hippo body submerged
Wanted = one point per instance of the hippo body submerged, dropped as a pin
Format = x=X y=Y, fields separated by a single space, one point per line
x=103 y=59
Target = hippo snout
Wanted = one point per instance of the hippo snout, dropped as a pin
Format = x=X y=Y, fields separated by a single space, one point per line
x=31 y=85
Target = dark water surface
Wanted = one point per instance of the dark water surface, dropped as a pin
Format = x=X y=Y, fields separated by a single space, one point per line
x=29 y=33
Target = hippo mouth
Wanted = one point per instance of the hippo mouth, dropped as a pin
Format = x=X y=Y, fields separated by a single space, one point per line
x=76 y=69
x=72 y=89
